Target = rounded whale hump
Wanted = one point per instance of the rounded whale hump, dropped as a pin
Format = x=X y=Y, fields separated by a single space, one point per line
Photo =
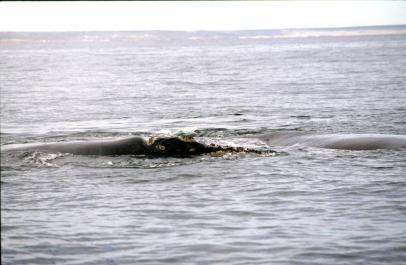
x=337 y=141
x=127 y=146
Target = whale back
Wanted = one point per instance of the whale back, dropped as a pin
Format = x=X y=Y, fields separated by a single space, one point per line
x=337 y=141
x=128 y=146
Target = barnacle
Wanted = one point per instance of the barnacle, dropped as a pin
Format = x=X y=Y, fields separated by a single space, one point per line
x=187 y=138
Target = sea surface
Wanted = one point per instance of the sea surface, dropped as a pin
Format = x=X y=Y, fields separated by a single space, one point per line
x=300 y=206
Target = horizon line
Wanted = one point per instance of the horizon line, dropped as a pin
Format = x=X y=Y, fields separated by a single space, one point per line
x=232 y=30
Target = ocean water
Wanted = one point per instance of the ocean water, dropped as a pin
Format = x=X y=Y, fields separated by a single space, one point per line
x=301 y=206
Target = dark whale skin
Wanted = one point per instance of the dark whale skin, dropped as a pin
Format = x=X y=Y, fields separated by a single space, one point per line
x=160 y=147
x=337 y=141
x=170 y=146
x=129 y=146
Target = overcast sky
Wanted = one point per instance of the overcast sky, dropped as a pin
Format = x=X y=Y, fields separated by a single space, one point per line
x=228 y=15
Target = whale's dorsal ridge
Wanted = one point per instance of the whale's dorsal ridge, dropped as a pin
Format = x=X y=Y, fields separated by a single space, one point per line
x=337 y=141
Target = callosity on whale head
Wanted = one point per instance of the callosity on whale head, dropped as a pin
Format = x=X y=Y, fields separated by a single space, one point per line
x=179 y=146
x=186 y=146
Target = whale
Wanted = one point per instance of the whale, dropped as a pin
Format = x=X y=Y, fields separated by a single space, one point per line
x=156 y=147
x=336 y=141
x=188 y=146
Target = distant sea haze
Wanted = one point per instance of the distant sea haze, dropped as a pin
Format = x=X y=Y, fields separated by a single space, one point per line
x=174 y=36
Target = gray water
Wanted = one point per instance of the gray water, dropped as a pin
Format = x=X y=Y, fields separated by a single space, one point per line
x=301 y=206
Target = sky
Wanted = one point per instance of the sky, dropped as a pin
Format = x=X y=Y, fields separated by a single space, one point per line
x=197 y=15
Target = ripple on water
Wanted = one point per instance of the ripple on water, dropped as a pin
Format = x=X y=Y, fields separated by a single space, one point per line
x=308 y=206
